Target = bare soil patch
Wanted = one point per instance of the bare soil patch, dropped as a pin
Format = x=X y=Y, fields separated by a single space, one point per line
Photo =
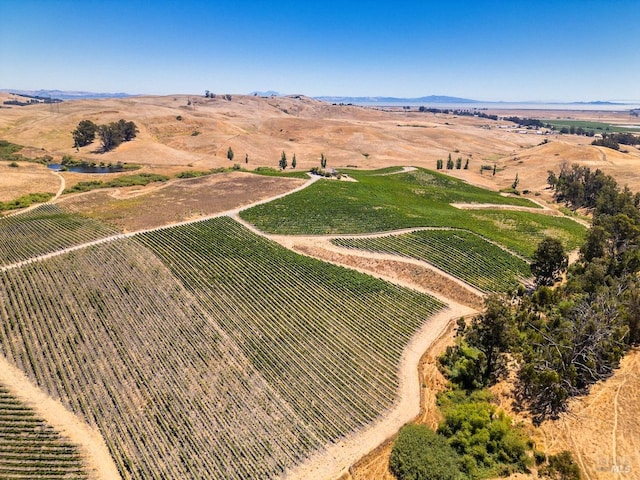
x=400 y=271
x=139 y=208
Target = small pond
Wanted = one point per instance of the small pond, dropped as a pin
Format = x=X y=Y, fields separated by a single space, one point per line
x=85 y=168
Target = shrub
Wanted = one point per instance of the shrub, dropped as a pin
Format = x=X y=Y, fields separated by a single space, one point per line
x=421 y=454
x=482 y=434
x=25 y=201
x=191 y=174
x=14 y=165
x=561 y=467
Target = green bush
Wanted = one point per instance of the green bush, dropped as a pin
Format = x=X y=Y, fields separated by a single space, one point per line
x=124 y=181
x=191 y=174
x=25 y=201
x=421 y=454
x=463 y=365
x=481 y=434
x=561 y=467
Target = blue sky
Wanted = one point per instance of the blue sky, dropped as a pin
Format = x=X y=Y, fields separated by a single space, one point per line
x=543 y=50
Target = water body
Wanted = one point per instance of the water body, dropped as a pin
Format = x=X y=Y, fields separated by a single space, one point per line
x=84 y=168
x=620 y=107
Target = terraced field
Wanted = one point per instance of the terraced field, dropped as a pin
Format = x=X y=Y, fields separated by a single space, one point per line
x=238 y=361
x=463 y=254
x=31 y=449
x=420 y=198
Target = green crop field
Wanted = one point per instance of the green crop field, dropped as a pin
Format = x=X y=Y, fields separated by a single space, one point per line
x=419 y=198
x=45 y=229
x=206 y=351
x=597 y=127
x=31 y=449
x=462 y=254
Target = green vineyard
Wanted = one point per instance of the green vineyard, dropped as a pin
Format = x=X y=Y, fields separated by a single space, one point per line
x=420 y=198
x=31 y=449
x=43 y=230
x=205 y=351
x=462 y=254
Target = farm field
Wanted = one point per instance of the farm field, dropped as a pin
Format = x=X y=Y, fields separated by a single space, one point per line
x=463 y=254
x=421 y=198
x=43 y=230
x=29 y=448
x=597 y=127
x=132 y=209
x=237 y=361
x=229 y=356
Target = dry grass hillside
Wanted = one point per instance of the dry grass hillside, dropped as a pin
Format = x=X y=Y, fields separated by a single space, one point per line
x=179 y=132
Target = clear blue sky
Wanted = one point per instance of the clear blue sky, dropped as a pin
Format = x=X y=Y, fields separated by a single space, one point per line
x=545 y=50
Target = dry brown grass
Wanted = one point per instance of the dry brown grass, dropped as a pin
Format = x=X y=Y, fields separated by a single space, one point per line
x=602 y=429
x=27 y=178
x=347 y=135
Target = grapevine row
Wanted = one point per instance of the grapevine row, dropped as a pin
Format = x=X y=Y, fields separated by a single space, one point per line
x=29 y=448
x=45 y=229
x=462 y=254
x=261 y=360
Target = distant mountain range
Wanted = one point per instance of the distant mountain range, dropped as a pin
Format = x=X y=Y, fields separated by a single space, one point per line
x=431 y=99
x=65 y=95
x=268 y=93
x=386 y=100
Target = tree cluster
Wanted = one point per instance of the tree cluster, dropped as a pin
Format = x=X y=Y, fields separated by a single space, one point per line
x=451 y=163
x=84 y=134
x=525 y=122
x=461 y=113
x=564 y=339
x=613 y=140
x=573 y=130
x=580 y=187
x=111 y=135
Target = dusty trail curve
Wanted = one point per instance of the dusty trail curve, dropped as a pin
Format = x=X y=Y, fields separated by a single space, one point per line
x=63 y=185
x=334 y=461
x=97 y=458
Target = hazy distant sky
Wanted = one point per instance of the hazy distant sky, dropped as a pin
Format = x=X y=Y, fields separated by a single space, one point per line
x=545 y=50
